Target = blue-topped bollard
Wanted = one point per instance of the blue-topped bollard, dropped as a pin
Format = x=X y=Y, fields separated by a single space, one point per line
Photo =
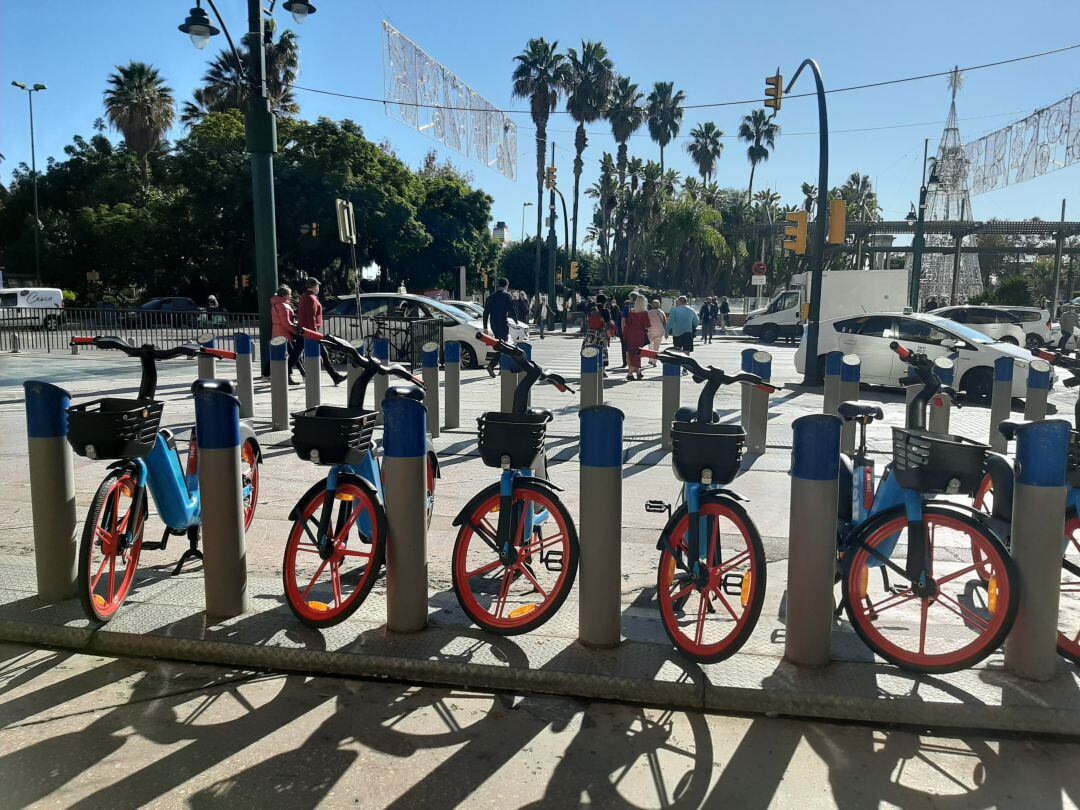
x=381 y=349
x=429 y=358
x=1039 y=378
x=52 y=489
x=600 y=561
x=815 y=465
x=206 y=366
x=1001 y=401
x=758 y=404
x=217 y=420
x=452 y=384
x=313 y=373
x=404 y=451
x=941 y=405
x=1038 y=526
x=832 y=382
x=245 y=388
x=746 y=364
x=591 y=386
x=850 y=375
x=279 y=383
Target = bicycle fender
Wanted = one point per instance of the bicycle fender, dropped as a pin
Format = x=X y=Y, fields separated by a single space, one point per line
x=542 y=482
x=430 y=451
x=483 y=495
x=320 y=485
x=248 y=432
x=730 y=493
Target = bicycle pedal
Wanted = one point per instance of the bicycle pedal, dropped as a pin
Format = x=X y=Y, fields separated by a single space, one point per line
x=656 y=506
x=552 y=561
x=159 y=546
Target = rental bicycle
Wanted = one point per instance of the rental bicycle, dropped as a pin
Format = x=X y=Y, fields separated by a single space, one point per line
x=143 y=456
x=929 y=608
x=326 y=578
x=516 y=553
x=994 y=497
x=710 y=579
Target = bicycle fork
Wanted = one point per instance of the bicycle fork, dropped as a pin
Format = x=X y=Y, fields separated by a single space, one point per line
x=324 y=540
x=518 y=523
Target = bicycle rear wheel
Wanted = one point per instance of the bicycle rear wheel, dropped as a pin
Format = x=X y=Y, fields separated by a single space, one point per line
x=325 y=588
x=106 y=567
x=711 y=622
x=959 y=620
x=249 y=474
x=517 y=596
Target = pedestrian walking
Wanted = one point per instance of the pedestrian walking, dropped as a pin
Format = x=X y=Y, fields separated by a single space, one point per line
x=657 y=322
x=284 y=324
x=708 y=314
x=599 y=328
x=616 y=321
x=682 y=321
x=1068 y=324
x=521 y=308
x=725 y=314
x=541 y=313
x=498 y=309
x=310 y=316
x=635 y=336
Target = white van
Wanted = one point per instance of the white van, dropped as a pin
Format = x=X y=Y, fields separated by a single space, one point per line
x=31 y=306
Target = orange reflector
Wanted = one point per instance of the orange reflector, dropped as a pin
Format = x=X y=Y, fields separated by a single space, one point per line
x=346 y=496
x=992 y=594
x=864 y=583
x=524 y=610
x=99 y=600
x=320 y=607
x=744 y=596
x=126 y=489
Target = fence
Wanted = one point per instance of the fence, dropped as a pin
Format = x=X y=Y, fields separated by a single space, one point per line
x=406 y=336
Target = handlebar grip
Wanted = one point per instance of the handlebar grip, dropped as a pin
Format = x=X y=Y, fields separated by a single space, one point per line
x=650 y=354
x=1072 y=382
x=83 y=341
x=493 y=342
x=223 y=354
x=311 y=334
x=901 y=352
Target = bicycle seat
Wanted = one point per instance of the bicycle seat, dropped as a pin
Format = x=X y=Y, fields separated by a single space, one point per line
x=407 y=391
x=223 y=386
x=541 y=413
x=853 y=411
x=1008 y=428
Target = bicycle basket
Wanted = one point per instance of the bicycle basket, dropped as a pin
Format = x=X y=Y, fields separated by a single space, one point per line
x=332 y=435
x=1074 y=459
x=937 y=463
x=706 y=451
x=517 y=437
x=114 y=428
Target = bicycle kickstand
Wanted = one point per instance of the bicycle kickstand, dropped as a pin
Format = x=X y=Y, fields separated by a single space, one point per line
x=192 y=552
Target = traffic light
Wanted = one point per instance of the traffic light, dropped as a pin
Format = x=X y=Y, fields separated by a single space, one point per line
x=245 y=281
x=774 y=91
x=315 y=229
x=549 y=181
x=837 y=222
x=795 y=233
x=574 y=270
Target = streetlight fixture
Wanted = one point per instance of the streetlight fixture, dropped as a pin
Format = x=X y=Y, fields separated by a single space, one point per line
x=37 y=88
x=299 y=10
x=523 y=207
x=198 y=26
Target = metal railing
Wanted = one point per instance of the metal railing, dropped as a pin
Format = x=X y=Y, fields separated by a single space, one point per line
x=406 y=336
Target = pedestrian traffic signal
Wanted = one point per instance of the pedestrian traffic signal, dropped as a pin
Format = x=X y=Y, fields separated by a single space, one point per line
x=245 y=281
x=550 y=178
x=574 y=270
x=314 y=229
x=774 y=91
x=837 y=222
x=795 y=233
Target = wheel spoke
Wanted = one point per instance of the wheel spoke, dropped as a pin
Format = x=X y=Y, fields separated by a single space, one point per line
x=964 y=613
x=892 y=601
x=735 y=561
x=685 y=592
x=983 y=560
x=335 y=578
x=922 y=627
x=101 y=570
x=703 y=607
x=351 y=552
x=504 y=592
x=529 y=575
x=112 y=577
x=545 y=542
x=484 y=569
x=724 y=601
x=314 y=579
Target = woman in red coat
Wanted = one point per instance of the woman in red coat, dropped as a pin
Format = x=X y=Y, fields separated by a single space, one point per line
x=635 y=335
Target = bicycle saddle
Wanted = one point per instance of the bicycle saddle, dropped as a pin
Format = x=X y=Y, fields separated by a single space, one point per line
x=407 y=391
x=224 y=386
x=851 y=411
x=1008 y=428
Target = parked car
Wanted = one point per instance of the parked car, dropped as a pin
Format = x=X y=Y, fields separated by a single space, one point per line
x=166 y=311
x=994 y=322
x=869 y=337
x=31 y=306
x=456 y=324
x=1036 y=324
x=518 y=330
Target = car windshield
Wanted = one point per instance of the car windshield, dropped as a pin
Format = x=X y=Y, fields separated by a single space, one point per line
x=970 y=335
x=452 y=312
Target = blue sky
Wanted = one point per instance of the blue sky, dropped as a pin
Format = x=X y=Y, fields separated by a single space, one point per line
x=713 y=51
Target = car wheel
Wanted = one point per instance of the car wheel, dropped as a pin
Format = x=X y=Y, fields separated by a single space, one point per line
x=769 y=333
x=1010 y=340
x=978 y=384
x=51 y=323
x=468 y=356
x=1033 y=342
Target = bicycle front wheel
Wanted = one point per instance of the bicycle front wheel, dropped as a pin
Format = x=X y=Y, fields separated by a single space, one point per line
x=520 y=594
x=107 y=563
x=958 y=619
x=325 y=585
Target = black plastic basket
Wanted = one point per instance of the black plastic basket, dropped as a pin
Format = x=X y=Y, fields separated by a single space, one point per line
x=1074 y=459
x=114 y=428
x=937 y=463
x=520 y=437
x=332 y=435
x=706 y=451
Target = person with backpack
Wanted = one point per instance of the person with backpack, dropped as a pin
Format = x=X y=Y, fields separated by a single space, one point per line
x=599 y=328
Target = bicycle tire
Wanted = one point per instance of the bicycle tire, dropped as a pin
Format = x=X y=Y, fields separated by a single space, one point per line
x=564 y=584
x=96 y=607
x=856 y=575
x=315 y=613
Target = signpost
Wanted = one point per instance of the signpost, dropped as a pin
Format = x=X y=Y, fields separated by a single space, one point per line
x=346 y=226
x=759 y=270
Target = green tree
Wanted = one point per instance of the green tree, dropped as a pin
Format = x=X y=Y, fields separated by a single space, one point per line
x=140 y=106
x=665 y=113
x=760 y=132
x=539 y=76
x=705 y=148
x=589 y=78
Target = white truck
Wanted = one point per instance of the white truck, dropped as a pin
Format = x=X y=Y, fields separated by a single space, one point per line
x=843 y=292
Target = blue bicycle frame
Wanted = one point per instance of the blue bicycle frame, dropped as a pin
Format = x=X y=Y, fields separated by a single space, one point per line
x=532 y=519
x=175 y=494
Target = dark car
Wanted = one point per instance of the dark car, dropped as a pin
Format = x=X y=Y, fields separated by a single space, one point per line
x=172 y=310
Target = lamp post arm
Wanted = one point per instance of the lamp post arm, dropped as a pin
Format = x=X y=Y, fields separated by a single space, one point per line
x=228 y=37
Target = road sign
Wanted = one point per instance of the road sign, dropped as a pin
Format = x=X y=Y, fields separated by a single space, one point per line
x=759 y=269
x=346 y=221
x=93 y=275
x=758 y=281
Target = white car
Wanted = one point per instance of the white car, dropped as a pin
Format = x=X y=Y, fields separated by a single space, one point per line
x=32 y=306
x=869 y=336
x=994 y=322
x=1036 y=323
x=518 y=331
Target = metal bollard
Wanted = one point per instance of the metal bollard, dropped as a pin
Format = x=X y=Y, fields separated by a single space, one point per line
x=382 y=354
x=747 y=365
x=815 y=465
x=452 y=384
x=313 y=375
x=74 y=348
x=940 y=406
x=670 y=396
x=206 y=366
x=52 y=490
x=245 y=389
x=279 y=383
x=1038 y=525
x=1038 y=386
x=1001 y=401
x=850 y=374
x=352 y=373
x=758 y=404
x=832 y=383
x=217 y=420
x=16 y=343
x=404 y=443
x=600 y=561
x=590 y=377
x=429 y=357
x=507 y=383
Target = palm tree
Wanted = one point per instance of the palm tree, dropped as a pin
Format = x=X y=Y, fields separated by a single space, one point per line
x=809 y=192
x=539 y=76
x=665 y=113
x=605 y=192
x=705 y=148
x=626 y=115
x=140 y=106
x=589 y=77
x=201 y=105
x=224 y=85
x=862 y=205
x=758 y=130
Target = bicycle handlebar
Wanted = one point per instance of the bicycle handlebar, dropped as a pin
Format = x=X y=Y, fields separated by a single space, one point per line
x=361 y=360
x=183 y=350
x=524 y=363
x=701 y=373
x=1055 y=358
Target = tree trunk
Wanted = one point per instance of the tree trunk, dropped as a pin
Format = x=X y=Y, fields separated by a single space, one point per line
x=750 y=191
x=580 y=142
x=620 y=212
x=661 y=159
x=541 y=149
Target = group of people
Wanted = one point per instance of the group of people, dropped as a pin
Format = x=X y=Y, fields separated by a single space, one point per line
x=287 y=323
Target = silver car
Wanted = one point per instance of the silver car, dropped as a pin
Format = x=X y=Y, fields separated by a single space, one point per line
x=994 y=322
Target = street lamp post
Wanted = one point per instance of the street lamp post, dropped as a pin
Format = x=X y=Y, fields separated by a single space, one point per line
x=37 y=88
x=523 y=207
x=918 y=244
x=552 y=239
x=261 y=130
